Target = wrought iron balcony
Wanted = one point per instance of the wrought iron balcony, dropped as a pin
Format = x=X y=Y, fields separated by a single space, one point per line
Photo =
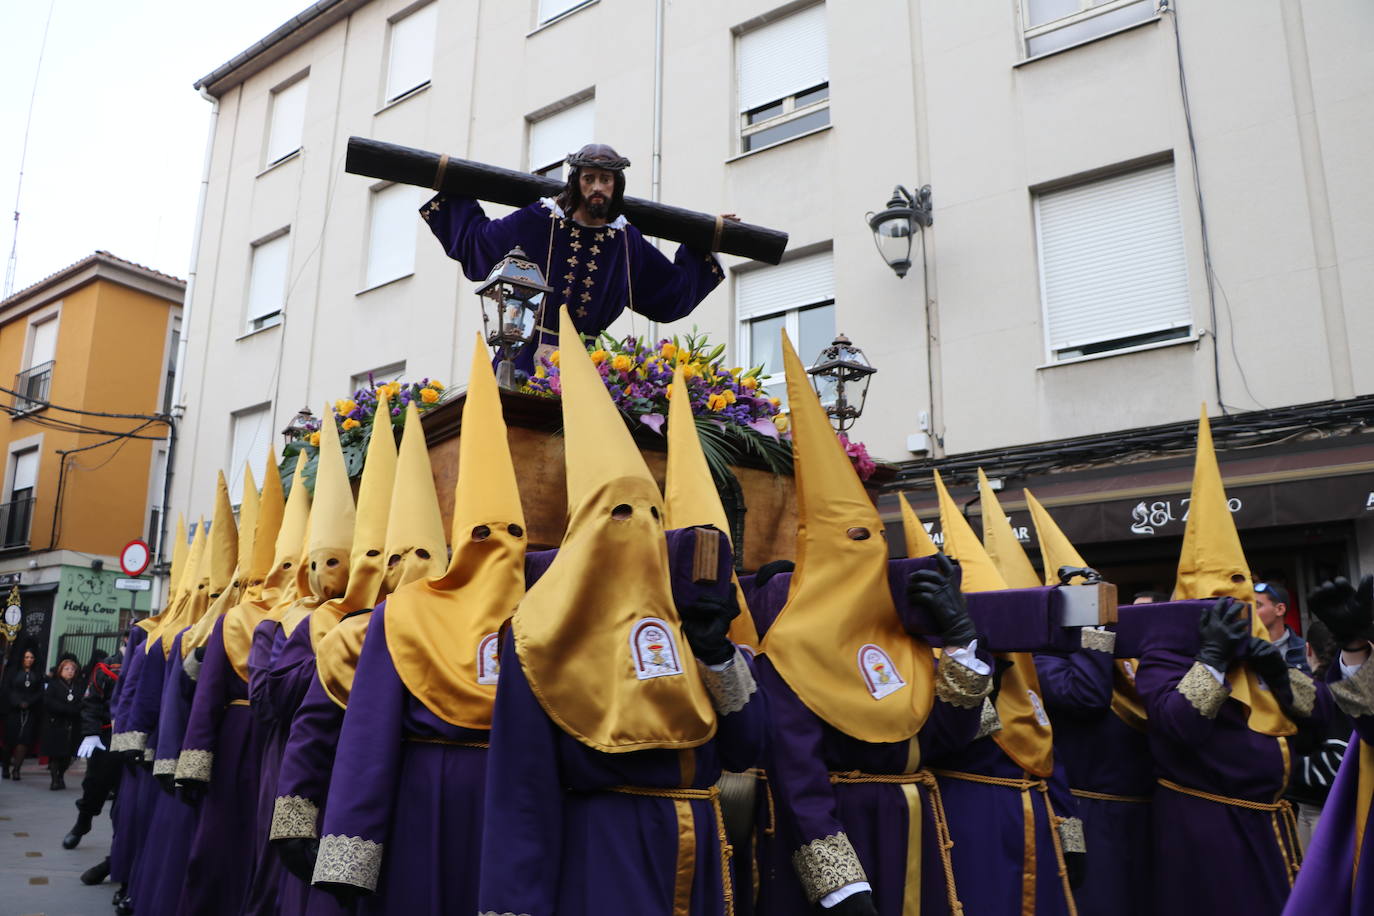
x=16 y=517
x=31 y=387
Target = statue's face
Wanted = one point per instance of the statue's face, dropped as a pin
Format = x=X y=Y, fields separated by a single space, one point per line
x=598 y=188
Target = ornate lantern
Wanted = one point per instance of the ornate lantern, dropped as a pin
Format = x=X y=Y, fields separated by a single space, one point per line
x=840 y=376
x=513 y=298
x=301 y=426
x=893 y=227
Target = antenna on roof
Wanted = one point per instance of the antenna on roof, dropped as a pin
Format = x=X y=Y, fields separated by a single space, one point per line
x=23 y=155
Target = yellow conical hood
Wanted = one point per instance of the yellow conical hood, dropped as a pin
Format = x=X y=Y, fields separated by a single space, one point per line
x=1212 y=565
x=257 y=597
x=463 y=609
x=415 y=545
x=690 y=494
x=980 y=574
x=609 y=665
x=224 y=545
x=178 y=611
x=332 y=515
x=271 y=511
x=1055 y=549
x=291 y=548
x=1001 y=543
x=248 y=527
x=367 y=558
x=838 y=641
x=918 y=542
x=180 y=548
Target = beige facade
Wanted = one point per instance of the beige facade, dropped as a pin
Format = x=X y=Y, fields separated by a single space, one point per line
x=919 y=92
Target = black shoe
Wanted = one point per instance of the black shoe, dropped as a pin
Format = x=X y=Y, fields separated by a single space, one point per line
x=125 y=906
x=96 y=873
x=120 y=895
x=79 y=829
x=52 y=784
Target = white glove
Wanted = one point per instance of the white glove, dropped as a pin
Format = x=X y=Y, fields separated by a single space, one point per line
x=89 y=745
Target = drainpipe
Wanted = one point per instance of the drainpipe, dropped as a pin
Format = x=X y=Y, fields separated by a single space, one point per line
x=656 y=161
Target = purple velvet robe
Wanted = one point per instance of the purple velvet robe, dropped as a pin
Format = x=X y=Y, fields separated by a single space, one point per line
x=223 y=847
x=1211 y=857
x=1330 y=884
x=1102 y=754
x=127 y=820
x=596 y=272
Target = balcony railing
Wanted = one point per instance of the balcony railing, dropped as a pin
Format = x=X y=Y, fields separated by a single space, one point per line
x=31 y=387
x=16 y=517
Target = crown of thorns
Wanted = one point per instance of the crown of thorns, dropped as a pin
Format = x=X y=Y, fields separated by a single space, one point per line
x=599 y=156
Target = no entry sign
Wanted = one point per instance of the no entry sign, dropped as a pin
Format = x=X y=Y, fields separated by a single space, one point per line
x=133 y=559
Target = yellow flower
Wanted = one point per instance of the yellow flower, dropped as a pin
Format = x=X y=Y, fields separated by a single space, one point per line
x=429 y=395
x=668 y=392
x=599 y=356
x=717 y=402
x=350 y=423
x=776 y=402
x=436 y=384
x=540 y=372
x=781 y=422
x=315 y=439
x=668 y=351
x=621 y=362
x=751 y=383
x=690 y=371
x=345 y=407
x=553 y=357
x=729 y=396
x=389 y=391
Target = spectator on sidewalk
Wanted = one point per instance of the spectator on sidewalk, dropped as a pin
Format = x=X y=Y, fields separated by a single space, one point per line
x=1271 y=604
x=24 y=690
x=62 y=720
x=1317 y=757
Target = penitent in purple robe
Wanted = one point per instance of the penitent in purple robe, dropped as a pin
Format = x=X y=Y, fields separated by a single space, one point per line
x=597 y=272
x=221 y=749
x=127 y=820
x=1102 y=755
x=1211 y=857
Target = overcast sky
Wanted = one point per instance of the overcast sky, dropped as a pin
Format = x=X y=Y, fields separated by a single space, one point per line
x=117 y=143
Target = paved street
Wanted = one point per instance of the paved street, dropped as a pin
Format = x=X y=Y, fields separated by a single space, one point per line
x=38 y=876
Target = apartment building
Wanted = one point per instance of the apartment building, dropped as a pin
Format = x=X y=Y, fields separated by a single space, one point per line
x=1137 y=206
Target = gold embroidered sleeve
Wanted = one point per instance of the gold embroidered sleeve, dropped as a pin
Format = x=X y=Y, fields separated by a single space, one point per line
x=826 y=865
x=293 y=816
x=1203 y=690
x=960 y=685
x=1355 y=694
x=195 y=766
x=1071 y=835
x=165 y=767
x=128 y=741
x=1098 y=640
x=1304 y=693
x=731 y=687
x=348 y=860
x=988 y=720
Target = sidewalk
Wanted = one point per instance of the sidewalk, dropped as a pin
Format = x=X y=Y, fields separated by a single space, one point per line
x=38 y=876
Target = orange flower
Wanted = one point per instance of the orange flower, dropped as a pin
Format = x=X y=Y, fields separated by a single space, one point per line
x=350 y=423
x=751 y=383
x=599 y=356
x=717 y=402
x=315 y=439
x=429 y=395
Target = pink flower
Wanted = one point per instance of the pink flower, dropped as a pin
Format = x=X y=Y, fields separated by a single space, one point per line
x=858 y=454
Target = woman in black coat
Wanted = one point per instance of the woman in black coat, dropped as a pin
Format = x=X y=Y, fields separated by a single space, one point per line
x=24 y=689
x=62 y=724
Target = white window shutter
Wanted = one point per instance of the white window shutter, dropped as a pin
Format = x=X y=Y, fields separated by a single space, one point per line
x=782 y=58
x=44 y=348
x=561 y=133
x=287 y=121
x=799 y=282
x=25 y=470
x=1112 y=259
x=252 y=433
x=411 y=59
x=267 y=278
x=391 y=236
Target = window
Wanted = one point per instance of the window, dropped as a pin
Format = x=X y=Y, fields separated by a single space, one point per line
x=286 y=122
x=377 y=377
x=250 y=437
x=550 y=10
x=410 y=59
x=784 y=79
x=267 y=282
x=1113 y=272
x=391 y=234
x=797 y=296
x=170 y=384
x=1051 y=25
x=553 y=137
x=17 y=514
x=34 y=384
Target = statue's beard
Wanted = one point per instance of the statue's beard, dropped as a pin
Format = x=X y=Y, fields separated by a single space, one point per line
x=598 y=207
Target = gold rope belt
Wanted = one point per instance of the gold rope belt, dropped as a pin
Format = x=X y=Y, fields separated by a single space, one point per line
x=682 y=799
x=239 y=703
x=1106 y=796
x=762 y=776
x=1028 y=866
x=1281 y=818
x=443 y=742
x=937 y=812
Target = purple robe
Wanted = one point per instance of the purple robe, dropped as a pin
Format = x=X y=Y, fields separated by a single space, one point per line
x=127 y=822
x=224 y=750
x=597 y=272
x=1102 y=755
x=1330 y=884
x=1211 y=857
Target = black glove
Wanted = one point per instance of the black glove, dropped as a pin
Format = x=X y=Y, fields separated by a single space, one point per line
x=1076 y=864
x=769 y=570
x=1268 y=662
x=191 y=792
x=1221 y=631
x=346 y=894
x=166 y=782
x=938 y=593
x=860 y=904
x=1347 y=612
x=200 y=653
x=706 y=622
x=298 y=854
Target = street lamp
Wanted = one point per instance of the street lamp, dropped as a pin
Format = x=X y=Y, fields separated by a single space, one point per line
x=515 y=289
x=894 y=226
x=840 y=376
x=301 y=426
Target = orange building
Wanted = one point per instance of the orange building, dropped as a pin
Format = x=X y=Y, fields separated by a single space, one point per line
x=87 y=361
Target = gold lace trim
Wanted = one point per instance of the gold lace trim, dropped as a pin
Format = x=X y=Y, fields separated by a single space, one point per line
x=1355 y=694
x=195 y=766
x=128 y=741
x=1098 y=640
x=1203 y=691
x=1071 y=835
x=1304 y=693
x=165 y=767
x=988 y=720
x=348 y=860
x=960 y=685
x=826 y=865
x=293 y=816
x=730 y=687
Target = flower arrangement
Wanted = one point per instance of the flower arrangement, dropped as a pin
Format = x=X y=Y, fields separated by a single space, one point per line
x=858 y=455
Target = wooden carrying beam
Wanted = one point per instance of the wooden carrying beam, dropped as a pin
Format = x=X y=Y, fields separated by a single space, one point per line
x=462 y=177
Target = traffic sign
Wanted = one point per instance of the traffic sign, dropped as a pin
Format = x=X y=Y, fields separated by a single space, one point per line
x=134 y=585
x=134 y=558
